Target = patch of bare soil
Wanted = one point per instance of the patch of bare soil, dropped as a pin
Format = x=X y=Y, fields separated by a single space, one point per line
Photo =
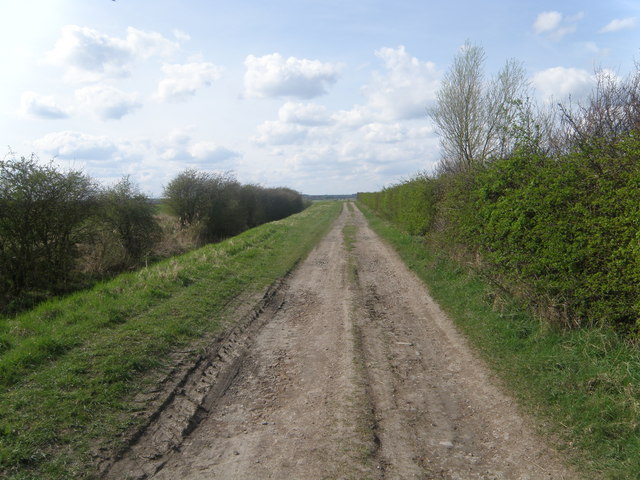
x=351 y=371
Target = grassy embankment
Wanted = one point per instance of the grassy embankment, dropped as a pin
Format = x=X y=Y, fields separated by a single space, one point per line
x=583 y=385
x=71 y=368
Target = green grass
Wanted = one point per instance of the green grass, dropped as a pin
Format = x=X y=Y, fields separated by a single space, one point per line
x=70 y=369
x=349 y=236
x=582 y=385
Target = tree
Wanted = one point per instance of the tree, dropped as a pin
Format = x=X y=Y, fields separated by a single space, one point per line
x=43 y=215
x=186 y=196
x=611 y=112
x=471 y=116
x=130 y=215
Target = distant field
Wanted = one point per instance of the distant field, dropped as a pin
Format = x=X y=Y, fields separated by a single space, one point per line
x=71 y=368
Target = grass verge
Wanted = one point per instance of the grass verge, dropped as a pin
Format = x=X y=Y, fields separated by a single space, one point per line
x=70 y=369
x=582 y=385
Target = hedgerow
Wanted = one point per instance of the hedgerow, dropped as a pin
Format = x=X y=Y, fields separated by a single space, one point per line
x=566 y=228
x=61 y=231
x=555 y=219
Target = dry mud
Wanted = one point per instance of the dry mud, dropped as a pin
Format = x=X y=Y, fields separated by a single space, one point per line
x=348 y=370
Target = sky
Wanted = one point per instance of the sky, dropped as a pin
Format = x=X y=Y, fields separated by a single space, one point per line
x=325 y=97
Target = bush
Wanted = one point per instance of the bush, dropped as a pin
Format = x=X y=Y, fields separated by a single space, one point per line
x=564 y=229
x=129 y=215
x=218 y=206
x=43 y=217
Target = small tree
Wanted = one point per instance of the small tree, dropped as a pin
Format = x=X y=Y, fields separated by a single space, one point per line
x=130 y=214
x=43 y=215
x=186 y=195
x=225 y=214
x=471 y=116
x=610 y=114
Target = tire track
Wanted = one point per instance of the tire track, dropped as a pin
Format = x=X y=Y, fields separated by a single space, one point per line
x=350 y=371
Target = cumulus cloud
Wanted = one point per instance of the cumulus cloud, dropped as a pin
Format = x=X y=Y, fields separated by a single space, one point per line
x=405 y=89
x=149 y=44
x=89 y=55
x=72 y=145
x=41 y=106
x=375 y=154
x=274 y=76
x=296 y=121
x=547 y=21
x=386 y=138
x=181 y=148
x=555 y=25
x=353 y=118
x=619 y=24
x=183 y=80
x=106 y=102
x=181 y=36
x=280 y=133
x=559 y=82
x=210 y=152
x=308 y=114
x=384 y=133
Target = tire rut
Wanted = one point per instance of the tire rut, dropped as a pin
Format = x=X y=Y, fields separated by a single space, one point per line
x=192 y=396
x=348 y=371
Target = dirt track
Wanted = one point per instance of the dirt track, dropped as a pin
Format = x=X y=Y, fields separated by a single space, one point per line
x=349 y=371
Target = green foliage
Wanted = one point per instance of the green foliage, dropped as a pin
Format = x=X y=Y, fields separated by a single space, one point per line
x=71 y=369
x=186 y=196
x=43 y=215
x=409 y=204
x=582 y=384
x=60 y=231
x=130 y=215
x=563 y=229
x=218 y=206
x=568 y=228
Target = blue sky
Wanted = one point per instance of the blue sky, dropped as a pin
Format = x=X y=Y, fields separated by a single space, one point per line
x=321 y=96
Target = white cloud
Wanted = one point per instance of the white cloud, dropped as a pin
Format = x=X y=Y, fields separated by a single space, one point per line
x=182 y=149
x=89 y=55
x=619 y=24
x=384 y=133
x=383 y=140
x=274 y=76
x=181 y=36
x=41 y=106
x=406 y=88
x=559 y=82
x=183 y=80
x=375 y=154
x=354 y=118
x=181 y=136
x=106 y=102
x=547 y=21
x=280 y=133
x=149 y=44
x=594 y=49
x=308 y=114
x=210 y=152
x=72 y=145
x=555 y=25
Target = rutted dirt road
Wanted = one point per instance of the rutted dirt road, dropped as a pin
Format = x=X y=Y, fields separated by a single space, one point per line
x=349 y=372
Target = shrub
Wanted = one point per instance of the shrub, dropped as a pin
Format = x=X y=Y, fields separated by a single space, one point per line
x=43 y=217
